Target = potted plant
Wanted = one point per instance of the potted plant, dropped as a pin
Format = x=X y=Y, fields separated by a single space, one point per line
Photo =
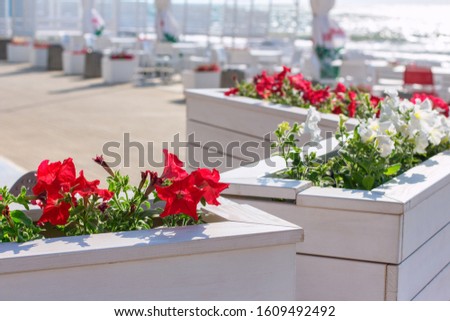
x=204 y=76
x=114 y=244
x=39 y=54
x=223 y=116
x=73 y=61
x=118 y=67
x=375 y=212
x=18 y=50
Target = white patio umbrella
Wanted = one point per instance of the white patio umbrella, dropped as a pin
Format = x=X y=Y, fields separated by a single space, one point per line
x=166 y=26
x=328 y=37
x=93 y=22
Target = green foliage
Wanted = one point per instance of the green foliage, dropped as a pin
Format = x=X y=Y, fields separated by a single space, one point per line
x=15 y=226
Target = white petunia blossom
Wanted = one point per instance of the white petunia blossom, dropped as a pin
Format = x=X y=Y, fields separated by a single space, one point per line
x=385 y=145
x=421 y=142
x=311 y=125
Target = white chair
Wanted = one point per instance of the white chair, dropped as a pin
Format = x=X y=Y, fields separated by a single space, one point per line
x=357 y=72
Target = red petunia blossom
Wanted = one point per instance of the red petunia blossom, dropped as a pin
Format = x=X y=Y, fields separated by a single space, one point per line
x=182 y=197
x=299 y=83
x=173 y=167
x=84 y=188
x=208 y=182
x=265 y=85
x=352 y=105
x=340 y=88
x=55 y=212
x=54 y=179
x=438 y=103
x=318 y=96
x=232 y=92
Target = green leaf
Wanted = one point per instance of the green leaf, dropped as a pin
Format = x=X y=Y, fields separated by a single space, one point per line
x=392 y=170
x=368 y=182
x=203 y=201
x=20 y=217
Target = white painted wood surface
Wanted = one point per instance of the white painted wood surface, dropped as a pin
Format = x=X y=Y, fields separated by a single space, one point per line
x=73 y=64
x=331 y=279
x=18 y=53
x=204 y=79
x=118 y=70
x=39 y=57
x=186 y=263
x=403 y=224
x=214 y=117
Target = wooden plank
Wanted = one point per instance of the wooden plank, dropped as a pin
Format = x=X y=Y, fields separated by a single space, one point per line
x=421 y=222
x=245 y=274
x=351 y=200
x=198 y=157
x=322 y=278
x=339 y=233
x=115 y=247
x=255 y=181
x=256 y=118
x=423 y=266
x=438 y=289
x=228 y=142
x=419 y=183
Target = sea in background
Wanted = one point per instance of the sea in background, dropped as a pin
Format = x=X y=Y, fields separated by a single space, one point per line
x=401 y=25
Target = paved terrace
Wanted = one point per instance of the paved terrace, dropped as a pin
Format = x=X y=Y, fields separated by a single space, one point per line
x=46 y=115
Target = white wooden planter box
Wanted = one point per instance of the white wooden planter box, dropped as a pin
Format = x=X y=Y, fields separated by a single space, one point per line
x=391 y=243
x=205 y=79
x=73 y=63
x=18 y=53
x=118 y=70
x=39 y=57
x=241 y=254
x=214 y=117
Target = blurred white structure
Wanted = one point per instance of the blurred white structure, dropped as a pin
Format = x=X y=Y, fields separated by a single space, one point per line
x=166 y=26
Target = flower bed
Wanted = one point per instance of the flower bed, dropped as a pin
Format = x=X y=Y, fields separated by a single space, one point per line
x=39 y=55
x=249 y=112
x=18 y=51
x=110 y=236
x=382 y=232
x=118 y=68
x=73 y=62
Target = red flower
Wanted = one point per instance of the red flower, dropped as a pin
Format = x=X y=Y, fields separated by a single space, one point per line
x=54 y=179
x=232 y=92
x=352 y=105
x=317 y=96
x=182 y=197
x=340 y=88
x=299 y=83
x=173 y=169
x=438 y=103
x=55 y=211
x=265 y=85
x=208 y=182
x=84 y=188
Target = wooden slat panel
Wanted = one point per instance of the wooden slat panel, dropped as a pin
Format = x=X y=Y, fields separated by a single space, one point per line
x=322 y=278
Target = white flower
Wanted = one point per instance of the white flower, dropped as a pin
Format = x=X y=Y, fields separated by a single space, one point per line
x=421 y=142
x=311 y=125
x=368 y=130
x=385 y=145
x=436 y=135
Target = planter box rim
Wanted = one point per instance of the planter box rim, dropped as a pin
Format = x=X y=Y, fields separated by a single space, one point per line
x=236 y=227
x=266 y=107
x=393 y=197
